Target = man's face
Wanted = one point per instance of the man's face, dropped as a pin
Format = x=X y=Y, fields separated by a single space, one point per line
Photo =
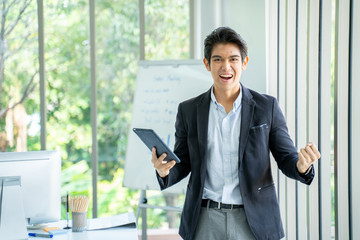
x=226 y=67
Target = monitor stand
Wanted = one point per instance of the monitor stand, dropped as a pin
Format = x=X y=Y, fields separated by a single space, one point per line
x=36 y=226
x=12 y=216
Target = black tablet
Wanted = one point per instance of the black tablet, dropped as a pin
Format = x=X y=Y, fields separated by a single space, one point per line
x=151 y=139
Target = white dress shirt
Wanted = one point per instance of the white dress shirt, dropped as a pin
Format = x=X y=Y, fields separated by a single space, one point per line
x=222 y=177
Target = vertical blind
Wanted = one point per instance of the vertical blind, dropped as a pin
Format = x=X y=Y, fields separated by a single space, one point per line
x=299 y=63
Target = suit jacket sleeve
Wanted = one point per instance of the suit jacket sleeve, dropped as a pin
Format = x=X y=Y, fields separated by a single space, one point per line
x=182 y=169
x=282 y=147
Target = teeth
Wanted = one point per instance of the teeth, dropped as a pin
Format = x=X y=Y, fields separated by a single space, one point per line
x=225 y=75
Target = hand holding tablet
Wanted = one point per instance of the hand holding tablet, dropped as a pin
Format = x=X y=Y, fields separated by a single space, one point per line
x=151 y=139
x=163 y=158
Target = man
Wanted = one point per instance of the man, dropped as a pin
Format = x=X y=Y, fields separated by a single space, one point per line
x=224 y=138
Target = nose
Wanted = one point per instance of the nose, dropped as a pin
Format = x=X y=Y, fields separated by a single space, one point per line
x=226 y=65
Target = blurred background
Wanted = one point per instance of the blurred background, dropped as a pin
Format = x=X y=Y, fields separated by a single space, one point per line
x=305 y=53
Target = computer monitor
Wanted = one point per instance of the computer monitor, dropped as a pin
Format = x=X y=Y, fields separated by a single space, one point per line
x=40 y=173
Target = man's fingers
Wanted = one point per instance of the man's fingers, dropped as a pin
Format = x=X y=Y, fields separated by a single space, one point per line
x=315 y=150
x=306 y=157
x=172 y=163
x=154 y=157
x=311 y=153
x=162 y=157
x=302 y=164
x=167 y=166
x=157 y=160
x=301 y=157
x=160 y=164
x=164 y=168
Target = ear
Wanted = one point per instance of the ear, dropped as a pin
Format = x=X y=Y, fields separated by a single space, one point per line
x=207 y=64
x=245 y=62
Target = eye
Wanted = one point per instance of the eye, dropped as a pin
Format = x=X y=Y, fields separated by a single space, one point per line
x=235 y=59
x=217 y=59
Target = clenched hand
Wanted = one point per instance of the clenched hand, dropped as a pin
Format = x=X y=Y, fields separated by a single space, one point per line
x=307 y=156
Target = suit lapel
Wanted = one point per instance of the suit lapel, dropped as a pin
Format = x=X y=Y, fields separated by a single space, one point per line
x=247 y=111
x=202 y=127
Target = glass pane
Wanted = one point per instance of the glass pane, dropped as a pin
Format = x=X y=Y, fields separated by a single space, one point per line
x=68 y=93
x=117 y=56
x=117 y=39
x=167 y=36
x=19 y=78
x=167 y=29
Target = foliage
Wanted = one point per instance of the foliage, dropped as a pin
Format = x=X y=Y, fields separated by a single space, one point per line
x=68 y=85
x=117 y=60
x=67 y=65
x=18 y=41
x=167 y=29
x=18 y=78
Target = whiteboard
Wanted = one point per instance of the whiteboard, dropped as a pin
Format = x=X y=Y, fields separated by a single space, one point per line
x=160 y=87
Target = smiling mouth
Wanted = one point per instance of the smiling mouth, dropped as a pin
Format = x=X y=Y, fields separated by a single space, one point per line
x=226 y=76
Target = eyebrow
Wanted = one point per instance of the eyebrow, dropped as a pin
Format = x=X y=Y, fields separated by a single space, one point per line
x=217 y=56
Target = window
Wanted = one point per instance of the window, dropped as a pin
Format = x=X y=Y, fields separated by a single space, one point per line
x=68 y=122
x=68 y=85
x=167 y=29
x=19 y=91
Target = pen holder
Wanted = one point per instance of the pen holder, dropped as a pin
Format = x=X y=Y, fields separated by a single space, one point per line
x=79 y=221
x=79 y=206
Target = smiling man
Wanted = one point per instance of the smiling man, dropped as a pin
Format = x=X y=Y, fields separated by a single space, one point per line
x=224 y=138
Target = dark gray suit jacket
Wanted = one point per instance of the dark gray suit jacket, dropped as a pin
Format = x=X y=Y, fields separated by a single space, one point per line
x=263 y=129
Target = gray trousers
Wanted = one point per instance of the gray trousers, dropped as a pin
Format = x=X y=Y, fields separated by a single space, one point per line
x=223 y=224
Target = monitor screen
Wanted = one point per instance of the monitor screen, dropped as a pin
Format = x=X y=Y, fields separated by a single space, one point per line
x=40 y=173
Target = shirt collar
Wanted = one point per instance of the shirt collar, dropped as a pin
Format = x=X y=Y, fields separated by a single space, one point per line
x=237 y=102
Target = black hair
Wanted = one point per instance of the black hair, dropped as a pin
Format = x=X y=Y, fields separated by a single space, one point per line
x=224 y=35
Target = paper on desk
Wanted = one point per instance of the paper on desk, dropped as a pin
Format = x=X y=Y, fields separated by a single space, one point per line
x=111 y=222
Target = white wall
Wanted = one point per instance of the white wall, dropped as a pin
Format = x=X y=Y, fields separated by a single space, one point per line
x=248 y=19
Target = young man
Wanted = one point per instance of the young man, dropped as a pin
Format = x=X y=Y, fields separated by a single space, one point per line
x=224 y=138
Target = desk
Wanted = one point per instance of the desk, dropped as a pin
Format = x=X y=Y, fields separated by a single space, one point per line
x=124 y=232
x=120 y=233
